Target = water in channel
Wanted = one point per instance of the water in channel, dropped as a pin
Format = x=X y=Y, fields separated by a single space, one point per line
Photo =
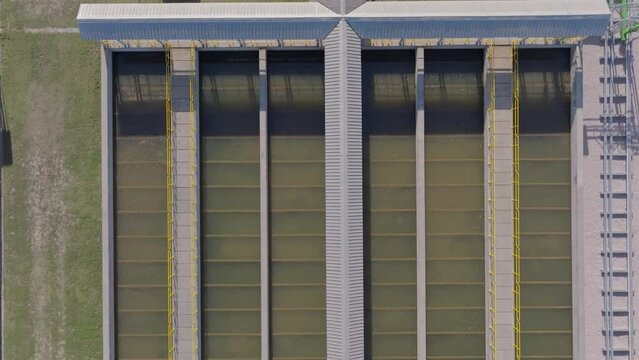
x=140 y=205
x=230 y=204
x=454 y=167
x=546 y=259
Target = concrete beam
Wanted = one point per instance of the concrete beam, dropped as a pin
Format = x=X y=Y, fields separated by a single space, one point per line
x=577 y=142
x=265 y=324
x=420 y=191
x=186 y=197
x=502 y=120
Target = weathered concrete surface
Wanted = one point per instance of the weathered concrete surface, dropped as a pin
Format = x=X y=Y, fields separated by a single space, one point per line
x=186 y=247
x=503 y=201
x=590 y=168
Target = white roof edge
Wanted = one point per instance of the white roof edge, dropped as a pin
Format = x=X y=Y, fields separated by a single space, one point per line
x=486 y=9
x=198 y=11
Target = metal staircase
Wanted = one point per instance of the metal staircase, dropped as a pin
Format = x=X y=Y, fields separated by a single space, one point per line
x=617 y=141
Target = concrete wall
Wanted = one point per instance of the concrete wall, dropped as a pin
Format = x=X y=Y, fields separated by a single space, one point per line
x=108 y=283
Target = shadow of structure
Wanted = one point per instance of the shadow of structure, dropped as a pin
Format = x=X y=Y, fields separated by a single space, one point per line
x=624 y=134
x=6 y=154
x=180 y=1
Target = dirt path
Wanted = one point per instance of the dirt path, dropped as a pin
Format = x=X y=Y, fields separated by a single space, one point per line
x=47 y=30
x=50 y=8
x=48 y=224
x=50 y=30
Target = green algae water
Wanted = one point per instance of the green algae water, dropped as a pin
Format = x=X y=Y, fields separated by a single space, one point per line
x=454 y=167
x=230 y=205
x=297 y=204
x=454 y=204
x=546 y=259
x=388 y=90
x=140 y=205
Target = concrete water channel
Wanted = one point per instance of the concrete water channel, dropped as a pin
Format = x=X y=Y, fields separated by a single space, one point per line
x=454 y=188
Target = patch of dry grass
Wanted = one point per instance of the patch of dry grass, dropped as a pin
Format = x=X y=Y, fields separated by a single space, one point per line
x=51 y=198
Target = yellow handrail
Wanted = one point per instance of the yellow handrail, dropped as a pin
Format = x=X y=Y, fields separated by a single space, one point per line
x=516 y=206
x=491 y=201
x=193 y=159
x=169 y=206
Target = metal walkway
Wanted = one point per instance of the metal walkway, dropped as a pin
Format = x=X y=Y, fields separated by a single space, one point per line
x=617 y=140
x=170 y=210
x=492 y=308
x=516 y=206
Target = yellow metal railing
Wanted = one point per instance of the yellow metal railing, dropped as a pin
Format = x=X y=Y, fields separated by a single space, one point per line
x=516 y=206
x=492 y=206
x=169 y=207
x=193 y=159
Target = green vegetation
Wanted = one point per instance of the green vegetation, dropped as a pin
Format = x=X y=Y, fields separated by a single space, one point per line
x=51 y=195
x=51 y=192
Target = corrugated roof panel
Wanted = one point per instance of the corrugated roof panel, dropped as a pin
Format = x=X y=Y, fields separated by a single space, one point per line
x=203 y=30
x=378 y=19
x=344 y=212
x=519 y=8
x=480 y=19
x=214 y=21
x=89 y=12
x=433 y=28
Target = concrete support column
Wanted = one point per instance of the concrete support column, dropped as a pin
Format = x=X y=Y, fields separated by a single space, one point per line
x=186 y=219
x=577 y=194
x=420 y=203
x=503 y=231
x=265 y=259
x=344 y=212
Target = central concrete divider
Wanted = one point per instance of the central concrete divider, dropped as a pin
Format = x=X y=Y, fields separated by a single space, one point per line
x=503 y=68
x=186 y=223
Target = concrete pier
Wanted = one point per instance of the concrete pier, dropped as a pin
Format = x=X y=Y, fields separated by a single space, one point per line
x=186 y=209
x=503 y=232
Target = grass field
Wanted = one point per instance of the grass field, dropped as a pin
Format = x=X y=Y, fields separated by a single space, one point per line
x=50 y=86
x=51 y=192
x=51 y=198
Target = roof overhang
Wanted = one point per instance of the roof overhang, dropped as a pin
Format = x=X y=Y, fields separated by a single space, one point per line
x=372 y=20
x=480 y=19
x=210 y=21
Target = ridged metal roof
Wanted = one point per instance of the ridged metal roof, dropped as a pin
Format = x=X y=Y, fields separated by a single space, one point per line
x=480 y=19
x=402 y=28
x=209 y=11
x=311 y=20
x=484 y=9
x=211 y=21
